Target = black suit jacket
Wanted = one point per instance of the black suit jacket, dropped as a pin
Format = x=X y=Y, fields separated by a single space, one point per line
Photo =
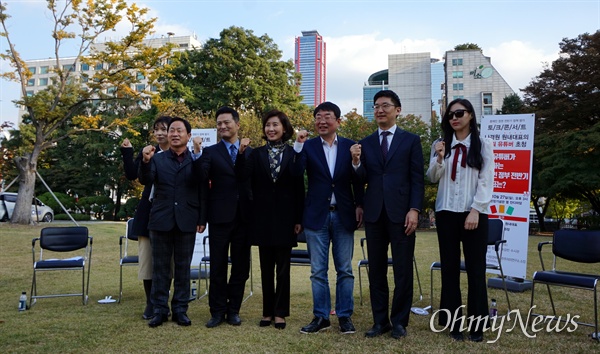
x=177 y=192
x=223 y=192
x=275 y=206
x=396 y=184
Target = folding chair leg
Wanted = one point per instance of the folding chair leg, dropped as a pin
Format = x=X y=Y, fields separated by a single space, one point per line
x=418 y=279
x=431 y=289
x=360 y=285
x=120 y=283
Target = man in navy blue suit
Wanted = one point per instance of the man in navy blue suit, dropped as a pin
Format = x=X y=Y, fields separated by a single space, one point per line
x=332 y=212
x=390 y=162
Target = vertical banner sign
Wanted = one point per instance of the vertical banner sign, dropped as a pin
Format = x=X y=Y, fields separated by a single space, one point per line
x=209 y=137
x=512 y=137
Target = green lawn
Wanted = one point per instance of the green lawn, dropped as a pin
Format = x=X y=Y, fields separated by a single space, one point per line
x=64 y=325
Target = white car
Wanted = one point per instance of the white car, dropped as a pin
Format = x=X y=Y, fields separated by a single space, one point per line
x=39 y=210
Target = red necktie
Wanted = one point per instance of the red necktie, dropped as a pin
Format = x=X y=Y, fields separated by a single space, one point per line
x=461 y=149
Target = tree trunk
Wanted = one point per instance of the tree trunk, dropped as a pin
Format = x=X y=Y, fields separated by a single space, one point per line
x=22 y=212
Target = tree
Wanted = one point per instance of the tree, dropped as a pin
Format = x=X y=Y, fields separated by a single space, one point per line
x=355 y=127
x=73 y=104
x=513 y=104
x=468 y=46
x=239 y=70
x=566 y=99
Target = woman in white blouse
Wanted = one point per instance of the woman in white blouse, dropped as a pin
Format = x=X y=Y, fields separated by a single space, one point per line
x=463 y=164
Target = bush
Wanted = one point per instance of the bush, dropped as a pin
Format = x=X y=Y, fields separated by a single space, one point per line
x=65 y=199
x=77 y=217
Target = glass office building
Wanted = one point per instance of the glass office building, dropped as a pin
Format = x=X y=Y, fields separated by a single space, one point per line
x=310 y=62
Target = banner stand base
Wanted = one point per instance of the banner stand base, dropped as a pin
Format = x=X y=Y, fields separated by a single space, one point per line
x=511 y=285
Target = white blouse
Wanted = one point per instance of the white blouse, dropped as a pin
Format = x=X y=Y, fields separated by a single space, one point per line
x=472 y=188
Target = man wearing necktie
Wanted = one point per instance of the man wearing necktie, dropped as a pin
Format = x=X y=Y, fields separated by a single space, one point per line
x=390 y=162
x=227 y=209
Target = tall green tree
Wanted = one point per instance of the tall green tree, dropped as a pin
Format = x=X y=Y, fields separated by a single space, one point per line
x=238 y=69
x=566 y=99
x=513 y=104
x=74 y=104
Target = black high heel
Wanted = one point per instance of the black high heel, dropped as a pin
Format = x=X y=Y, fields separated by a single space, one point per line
x=280 y=325
x=265 y=323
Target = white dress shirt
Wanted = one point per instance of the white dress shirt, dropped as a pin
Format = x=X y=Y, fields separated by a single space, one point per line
x=472 y=188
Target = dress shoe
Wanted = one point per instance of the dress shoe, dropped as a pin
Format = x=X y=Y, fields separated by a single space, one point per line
x=398 y=331
x=458 y=337
x=346 y=326
x=280 y=325
x=317 y=325
x=148 y=312
x=182 y=319
x=378 y=330
x=158 y=320
x=265 y=323
x=476 y=337
x=234 y=319
x=215 y=321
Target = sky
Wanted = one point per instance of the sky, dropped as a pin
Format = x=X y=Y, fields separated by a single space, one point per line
x=521 y=36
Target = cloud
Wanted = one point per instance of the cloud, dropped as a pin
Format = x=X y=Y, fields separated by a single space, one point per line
x=519 y=62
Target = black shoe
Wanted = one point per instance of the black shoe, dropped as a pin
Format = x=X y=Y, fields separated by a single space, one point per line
x=459 y=337
x=398 y=331
x=265 y=323
x=215 y=321
x=280 y=325
x=158 y=320
x=234 y=319
x=148 y=312
x=318 y=324
x=476 y=337
x=346 y=326
x=378 y=330
x=182 y=319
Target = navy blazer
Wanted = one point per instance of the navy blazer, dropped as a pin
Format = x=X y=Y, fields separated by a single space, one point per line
x=225 y=195
x=398 y=184
x=276 y=207
x=177 y=200
x=345 y=185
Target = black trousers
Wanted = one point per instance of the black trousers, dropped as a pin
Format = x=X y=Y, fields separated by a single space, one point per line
x=225 y=297
x=166 y=246
x=380 y=235
x=275 y=280
x=451 y=233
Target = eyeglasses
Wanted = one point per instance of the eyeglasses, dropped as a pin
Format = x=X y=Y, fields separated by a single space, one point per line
x=385 y=106
x=459 y=113
x=326 y=117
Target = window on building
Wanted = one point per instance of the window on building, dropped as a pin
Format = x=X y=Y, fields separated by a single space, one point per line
x=154 y=88
x=29 y=93
x=84 y=78
x=457 y=74
x=487 y=98
x=69 y=67
x=43 y=69
x=457 y=97
x=111 y=90
x=140 y=87
x=140 y=76
x=32 y=69
x=457 y=62
x=458 y=87
x=31 y=82
x=487 y=110
x=98 y=66
x=85 y=67
x=44 y=81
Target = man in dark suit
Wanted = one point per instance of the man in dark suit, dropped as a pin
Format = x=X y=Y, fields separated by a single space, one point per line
x=226 y=199
x=331 y=214
x=175 y=217
x=390 y=162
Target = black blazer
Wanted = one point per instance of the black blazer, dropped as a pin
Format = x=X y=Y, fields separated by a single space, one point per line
x=276 y=207
x=142 y=212
x=224 y=194
x=177 y=187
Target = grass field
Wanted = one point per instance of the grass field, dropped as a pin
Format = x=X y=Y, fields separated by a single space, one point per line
x=65 y=325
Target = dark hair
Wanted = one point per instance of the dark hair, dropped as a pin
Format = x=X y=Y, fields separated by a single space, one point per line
x=288 y=130
x=188 y=127
x=225 y=109
x=166 y=120
x=330 y=107
x=474 y=158
x=388 y=93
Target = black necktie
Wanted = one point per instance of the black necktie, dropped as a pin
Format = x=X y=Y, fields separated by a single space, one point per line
x=384 y=143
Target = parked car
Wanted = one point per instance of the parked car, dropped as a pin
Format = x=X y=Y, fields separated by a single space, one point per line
x=39 y=210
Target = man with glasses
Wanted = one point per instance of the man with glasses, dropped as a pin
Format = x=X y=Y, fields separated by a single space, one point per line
x=390 y=162
x=331 y=214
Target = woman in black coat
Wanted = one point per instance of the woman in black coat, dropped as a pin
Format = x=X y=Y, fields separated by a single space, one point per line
x=277 y=204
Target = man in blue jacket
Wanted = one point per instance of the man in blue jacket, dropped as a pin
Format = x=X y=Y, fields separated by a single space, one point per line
x=332 y=212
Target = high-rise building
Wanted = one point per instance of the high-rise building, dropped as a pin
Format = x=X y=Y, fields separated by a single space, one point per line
x=377 y=82
x=310 y=62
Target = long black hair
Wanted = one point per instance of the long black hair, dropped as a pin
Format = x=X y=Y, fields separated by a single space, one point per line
x=474 y=158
